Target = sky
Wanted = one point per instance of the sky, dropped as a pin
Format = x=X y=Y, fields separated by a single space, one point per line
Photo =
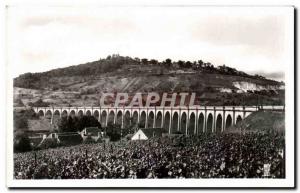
x=251 y=39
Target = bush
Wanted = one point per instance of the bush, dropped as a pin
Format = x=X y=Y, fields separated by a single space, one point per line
x=113 y=132
x=22 y=144
x=49 y=143
x=114 y=136
x=72 y=139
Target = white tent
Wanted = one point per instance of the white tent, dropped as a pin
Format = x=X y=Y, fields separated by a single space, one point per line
x=145 y=134
x=139 y=135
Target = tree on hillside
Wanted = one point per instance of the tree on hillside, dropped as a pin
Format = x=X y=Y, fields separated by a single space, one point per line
x=188 y=64
x=180 y=63
x=200 y=62
x=144 y=61
x=153 y=62
x=28 y=80
x=168 y=62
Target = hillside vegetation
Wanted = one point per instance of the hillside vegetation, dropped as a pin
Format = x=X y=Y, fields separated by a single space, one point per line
x=263 y=121
x=83 y=84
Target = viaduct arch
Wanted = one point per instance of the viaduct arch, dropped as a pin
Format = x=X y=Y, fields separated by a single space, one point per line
x=187 y=120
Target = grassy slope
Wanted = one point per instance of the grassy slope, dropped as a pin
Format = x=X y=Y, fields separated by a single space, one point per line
x=264 y=121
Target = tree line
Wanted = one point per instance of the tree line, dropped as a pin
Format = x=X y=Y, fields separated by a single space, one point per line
x=75 y=124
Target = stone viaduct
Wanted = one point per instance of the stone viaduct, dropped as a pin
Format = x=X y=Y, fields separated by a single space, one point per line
x=187 y=120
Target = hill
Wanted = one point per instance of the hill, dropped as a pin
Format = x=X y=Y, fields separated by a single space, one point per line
x=83 y=84
x=265 y=121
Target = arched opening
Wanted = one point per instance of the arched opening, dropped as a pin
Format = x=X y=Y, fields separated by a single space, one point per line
x=228 y=122
x=64 y=113
x=219 y=124
x=127 y=127
x=174 y=128
x=183 y=123
x=167 y=120
x=103 y=118
x=111 y=118
x=238 y=119
x=80 y=113
x=127 y=120
x=192 y=125
x=56 y=118
x=151 y=120
x=158 y=120
x=96 y=114
x=142 y=123
x=72 y=113
x=48 y=115
x=88 y=113
x=209 y=123
x=119 y=119
x=56 y=113
x=201 y=123
x=41 y=113
x=135 y=119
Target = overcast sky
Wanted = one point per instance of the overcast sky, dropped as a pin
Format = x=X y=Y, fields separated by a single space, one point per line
x=254 y=40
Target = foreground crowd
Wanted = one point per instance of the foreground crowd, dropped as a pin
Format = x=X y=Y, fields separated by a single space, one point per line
x=215 y=156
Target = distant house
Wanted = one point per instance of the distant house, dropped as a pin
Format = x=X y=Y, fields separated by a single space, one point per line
x=145 y=134
x=54 y=139
x=91 y=132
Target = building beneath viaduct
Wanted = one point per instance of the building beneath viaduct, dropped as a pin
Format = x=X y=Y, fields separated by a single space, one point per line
x=187 y=120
